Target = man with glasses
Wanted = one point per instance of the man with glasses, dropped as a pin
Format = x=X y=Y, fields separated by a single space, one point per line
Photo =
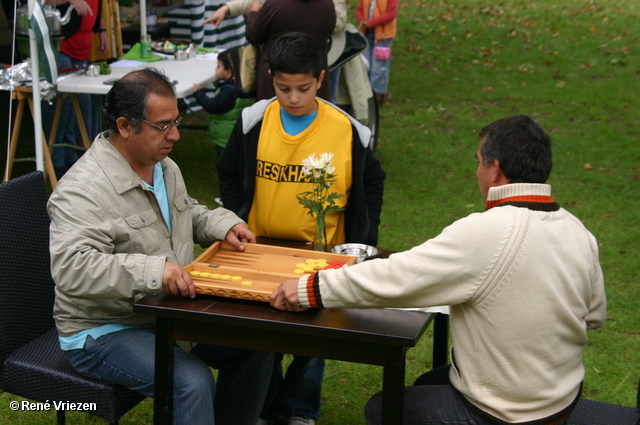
x=123 y=226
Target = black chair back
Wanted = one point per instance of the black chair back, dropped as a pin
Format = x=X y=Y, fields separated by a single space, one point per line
x=591 y=412
x=26 y=303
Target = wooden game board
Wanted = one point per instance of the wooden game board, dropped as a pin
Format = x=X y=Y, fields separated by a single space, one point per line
x=254 y=273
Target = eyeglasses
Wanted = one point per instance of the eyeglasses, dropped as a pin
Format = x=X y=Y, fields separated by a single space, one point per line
x=165 y=128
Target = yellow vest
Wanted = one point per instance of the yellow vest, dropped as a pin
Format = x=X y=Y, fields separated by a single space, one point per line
x=276 y=212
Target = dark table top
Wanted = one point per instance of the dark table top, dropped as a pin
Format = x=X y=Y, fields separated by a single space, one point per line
x=392 y=327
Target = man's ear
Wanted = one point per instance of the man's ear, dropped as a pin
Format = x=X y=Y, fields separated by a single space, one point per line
x=125 y=127
x=497 y=175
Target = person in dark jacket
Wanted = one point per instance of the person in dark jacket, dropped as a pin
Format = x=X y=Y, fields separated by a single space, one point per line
x=265 y=23
x=239 y=166
x=260 y=174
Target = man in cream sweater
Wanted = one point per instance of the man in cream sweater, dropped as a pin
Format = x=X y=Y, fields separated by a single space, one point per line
x=523 y=282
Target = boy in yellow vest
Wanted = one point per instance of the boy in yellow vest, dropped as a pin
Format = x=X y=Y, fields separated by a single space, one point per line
x=260 y=175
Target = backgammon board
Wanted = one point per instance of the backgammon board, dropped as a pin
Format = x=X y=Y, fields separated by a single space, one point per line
x=254 y=273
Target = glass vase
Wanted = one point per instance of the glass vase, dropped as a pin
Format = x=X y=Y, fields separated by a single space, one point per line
x=320 y=235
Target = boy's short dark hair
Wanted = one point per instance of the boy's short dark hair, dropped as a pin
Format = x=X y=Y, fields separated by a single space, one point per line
x=296 y=53
x=225 y=59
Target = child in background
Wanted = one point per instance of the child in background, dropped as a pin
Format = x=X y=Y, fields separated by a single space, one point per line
x=377 y=21
x=225 y=107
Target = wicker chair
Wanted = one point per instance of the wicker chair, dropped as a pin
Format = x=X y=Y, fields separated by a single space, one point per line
x=591 y=412
x=32 y=365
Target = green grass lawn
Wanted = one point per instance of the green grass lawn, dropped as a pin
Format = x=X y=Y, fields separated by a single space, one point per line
x=458 y=65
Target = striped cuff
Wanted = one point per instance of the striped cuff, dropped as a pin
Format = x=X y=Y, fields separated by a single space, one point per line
x=309 y=292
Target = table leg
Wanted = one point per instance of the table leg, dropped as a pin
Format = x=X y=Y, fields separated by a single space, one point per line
x=393 y=386
x=56 y=120
x=15 y=133
x=440 y=340
x=163 y=401
x=46 y=154
x=83 y=129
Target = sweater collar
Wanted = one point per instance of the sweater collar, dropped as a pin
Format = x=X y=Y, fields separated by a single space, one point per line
x=533 y=196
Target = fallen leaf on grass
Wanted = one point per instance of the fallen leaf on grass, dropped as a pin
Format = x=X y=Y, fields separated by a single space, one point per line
x=587 y=166
x=556 y=74
x=484 y=51
x=560 y=84
x=608 y=215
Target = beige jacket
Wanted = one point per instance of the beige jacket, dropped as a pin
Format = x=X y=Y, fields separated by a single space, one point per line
x=109 y=241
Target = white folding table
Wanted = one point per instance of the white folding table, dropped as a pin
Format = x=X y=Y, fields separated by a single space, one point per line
x=184 y=74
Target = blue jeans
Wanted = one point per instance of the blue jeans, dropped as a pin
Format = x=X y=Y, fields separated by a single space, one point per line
x=378 y=69
x=68 y=131
x=127 y=358
x=299 y=392
x=431 y=400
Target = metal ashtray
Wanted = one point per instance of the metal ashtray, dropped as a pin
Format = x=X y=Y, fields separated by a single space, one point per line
x=360 y=250
x=93 y=71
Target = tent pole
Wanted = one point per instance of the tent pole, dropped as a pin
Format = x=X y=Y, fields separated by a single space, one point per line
x=37 y=111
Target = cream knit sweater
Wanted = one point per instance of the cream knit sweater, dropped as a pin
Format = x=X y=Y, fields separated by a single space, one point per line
x=523 y=284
